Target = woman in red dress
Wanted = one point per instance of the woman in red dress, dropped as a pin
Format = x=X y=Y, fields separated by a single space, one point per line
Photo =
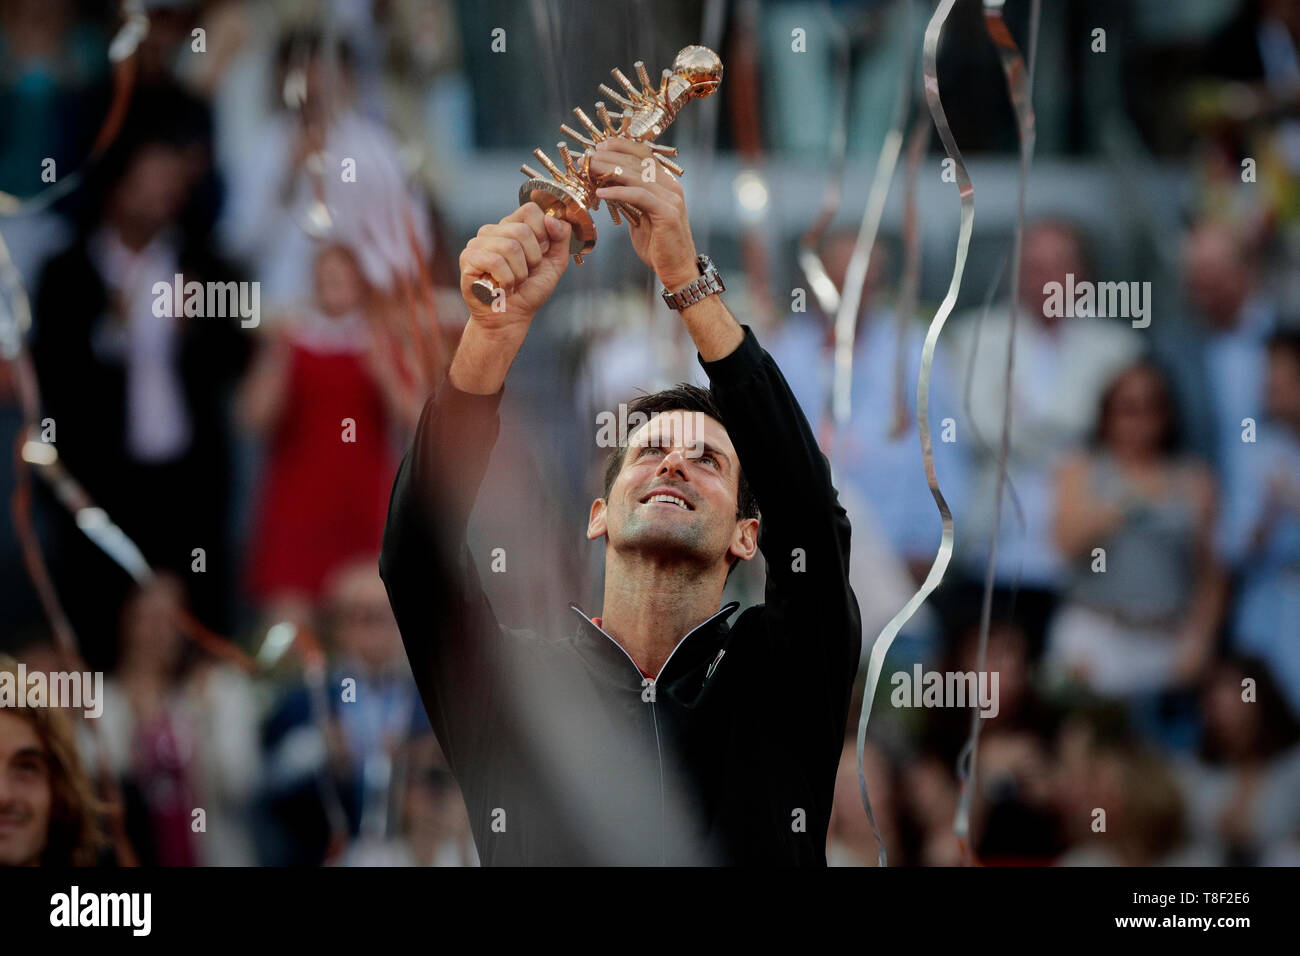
x=325 y=394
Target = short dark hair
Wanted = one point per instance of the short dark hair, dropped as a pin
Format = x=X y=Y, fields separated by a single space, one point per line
x=681 y=397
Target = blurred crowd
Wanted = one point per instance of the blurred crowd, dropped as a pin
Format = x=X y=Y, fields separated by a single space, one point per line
x=1146 y=575
x=1145 y=582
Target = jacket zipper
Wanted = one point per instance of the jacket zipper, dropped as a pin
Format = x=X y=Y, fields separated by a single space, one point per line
x=651 y=684
x=663 y=810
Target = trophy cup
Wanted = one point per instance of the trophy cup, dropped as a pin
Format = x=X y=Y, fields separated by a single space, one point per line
x=570 y=193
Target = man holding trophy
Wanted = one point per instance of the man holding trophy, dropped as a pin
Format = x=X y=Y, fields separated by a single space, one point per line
x=656 y=733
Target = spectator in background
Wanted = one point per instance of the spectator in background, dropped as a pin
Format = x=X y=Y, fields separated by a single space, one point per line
x=325 y=393
x=1013 y=816
x=1062 y=365
x=1241 y=793
x=181 y=734
x=1013 y=820
x=1261 y=527
x=1220 y=378
x=321 y=169
x=359 y=749
x=1148 y=621
x=1020 y=705
x=928 y=808
x=137 y=398
x=1144 y=812
x=435 y=825
x=386 y=713
x=163 y=96
x=47 y=805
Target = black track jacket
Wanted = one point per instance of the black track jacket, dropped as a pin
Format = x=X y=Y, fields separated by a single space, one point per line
x=564 y=752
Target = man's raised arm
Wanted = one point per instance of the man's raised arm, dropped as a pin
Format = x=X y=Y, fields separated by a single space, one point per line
x=452 y=637
x=803 y=529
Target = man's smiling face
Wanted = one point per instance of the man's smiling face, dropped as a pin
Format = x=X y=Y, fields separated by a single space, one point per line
x=25 y=793
x=675 y=496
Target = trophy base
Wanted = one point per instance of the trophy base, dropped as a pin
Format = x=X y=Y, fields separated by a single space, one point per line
x=557 y=200
x=554 y=200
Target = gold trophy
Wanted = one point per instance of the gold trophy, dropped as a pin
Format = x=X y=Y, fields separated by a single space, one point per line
x=570 y=193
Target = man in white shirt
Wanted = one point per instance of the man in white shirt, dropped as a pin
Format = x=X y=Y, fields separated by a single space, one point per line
x=1062 y=365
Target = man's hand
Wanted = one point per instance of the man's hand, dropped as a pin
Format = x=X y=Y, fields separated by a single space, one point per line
x=626 y=171
x=524 y=255
x=663 y=239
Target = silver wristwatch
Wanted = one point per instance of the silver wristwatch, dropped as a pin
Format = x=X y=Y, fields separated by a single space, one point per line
x=707 y=284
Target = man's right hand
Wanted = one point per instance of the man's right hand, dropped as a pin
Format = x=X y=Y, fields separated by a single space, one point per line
x=524 y=255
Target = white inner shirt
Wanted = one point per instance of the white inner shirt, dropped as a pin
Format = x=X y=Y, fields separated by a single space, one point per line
x=158 y=427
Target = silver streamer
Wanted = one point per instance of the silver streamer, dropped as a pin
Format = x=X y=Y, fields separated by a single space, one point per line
x=855 y=275
x=937 y=569
x=1020 y=90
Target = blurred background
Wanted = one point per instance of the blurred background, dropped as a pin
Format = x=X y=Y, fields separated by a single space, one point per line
x=1168 y=152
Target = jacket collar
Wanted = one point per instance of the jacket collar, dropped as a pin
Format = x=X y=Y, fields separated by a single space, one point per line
x=610 y=659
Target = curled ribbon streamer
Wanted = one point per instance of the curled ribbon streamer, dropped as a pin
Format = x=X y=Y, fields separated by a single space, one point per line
x=940 y=565
x=965 y=757
x=978 y=435
x=1020 y=90
x=846 y=316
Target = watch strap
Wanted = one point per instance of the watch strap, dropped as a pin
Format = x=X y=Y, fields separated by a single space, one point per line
x=709 y=283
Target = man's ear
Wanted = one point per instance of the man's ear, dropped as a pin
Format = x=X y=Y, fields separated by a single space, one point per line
x=744 y=540
x=596 y=521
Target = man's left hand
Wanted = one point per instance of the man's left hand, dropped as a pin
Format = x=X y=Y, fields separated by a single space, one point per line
x=627 y=171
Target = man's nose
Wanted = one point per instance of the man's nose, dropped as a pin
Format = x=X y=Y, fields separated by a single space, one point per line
x=673 y=463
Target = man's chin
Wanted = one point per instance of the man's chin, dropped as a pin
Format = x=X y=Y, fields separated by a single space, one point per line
x=664 y=542
x=16 y=855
